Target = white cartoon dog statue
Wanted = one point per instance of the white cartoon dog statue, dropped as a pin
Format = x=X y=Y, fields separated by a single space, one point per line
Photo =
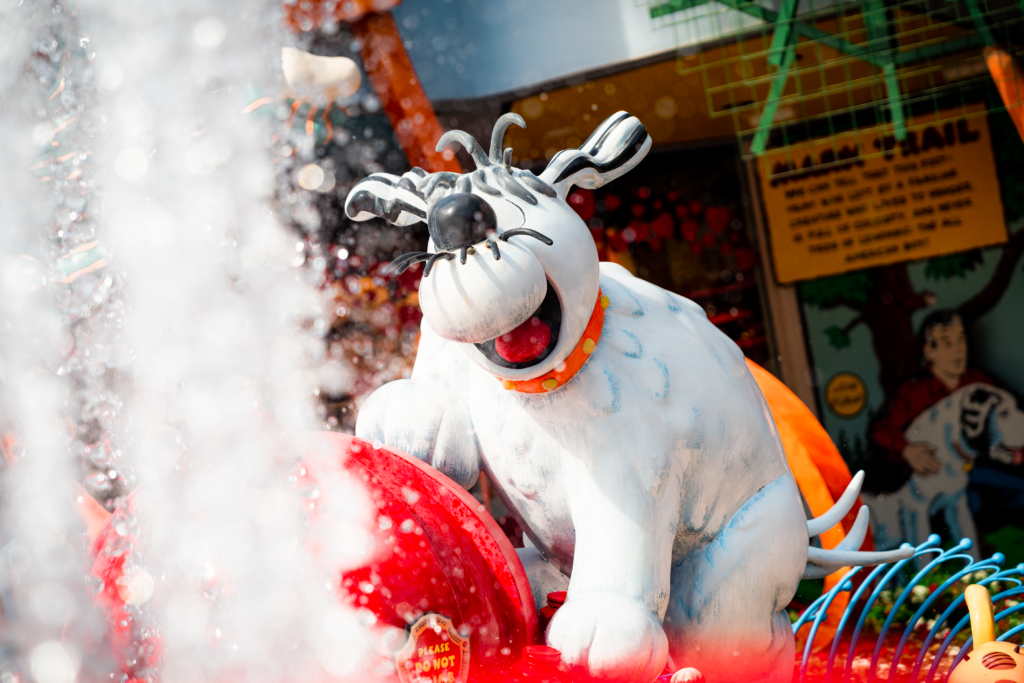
x=620 y=427
x=975 y=420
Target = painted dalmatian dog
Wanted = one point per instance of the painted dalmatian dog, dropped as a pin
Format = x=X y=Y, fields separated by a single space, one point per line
x=975 y=420
x=621 y=428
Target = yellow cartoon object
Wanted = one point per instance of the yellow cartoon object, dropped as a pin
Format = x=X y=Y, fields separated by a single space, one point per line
x=990 y=661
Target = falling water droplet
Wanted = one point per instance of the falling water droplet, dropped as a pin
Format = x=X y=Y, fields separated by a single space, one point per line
x=98 y=484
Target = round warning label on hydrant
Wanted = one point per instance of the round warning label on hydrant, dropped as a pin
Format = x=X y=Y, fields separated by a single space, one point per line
x=434 y=653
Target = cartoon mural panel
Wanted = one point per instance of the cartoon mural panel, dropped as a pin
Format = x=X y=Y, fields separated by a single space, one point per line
x=920 y=375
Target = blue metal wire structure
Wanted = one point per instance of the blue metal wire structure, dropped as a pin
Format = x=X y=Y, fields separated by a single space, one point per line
x=926 y=560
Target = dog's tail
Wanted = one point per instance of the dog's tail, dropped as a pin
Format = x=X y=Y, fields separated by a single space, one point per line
x=847 y=554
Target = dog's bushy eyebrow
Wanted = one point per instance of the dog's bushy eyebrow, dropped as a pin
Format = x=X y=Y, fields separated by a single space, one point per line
x=407 y=184
x=389 y=198
x=509 y=184
x=444 y=179
x=403 y=182
x=397 y=200
x=480 y=182
x=388 y=209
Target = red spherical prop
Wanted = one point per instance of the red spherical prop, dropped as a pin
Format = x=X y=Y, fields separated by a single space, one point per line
x=540 y=663
x=442 y=574
x=524 y=343
x=454 y=564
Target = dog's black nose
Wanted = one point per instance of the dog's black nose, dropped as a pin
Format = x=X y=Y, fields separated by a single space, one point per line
x=460 y=220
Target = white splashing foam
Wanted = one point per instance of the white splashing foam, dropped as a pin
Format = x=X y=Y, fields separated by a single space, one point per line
x=46 y=614
x=209 y=331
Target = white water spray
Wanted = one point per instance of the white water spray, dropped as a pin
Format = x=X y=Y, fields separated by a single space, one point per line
x=176 y=357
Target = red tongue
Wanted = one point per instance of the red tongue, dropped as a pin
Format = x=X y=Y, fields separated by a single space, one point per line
x=524 y=343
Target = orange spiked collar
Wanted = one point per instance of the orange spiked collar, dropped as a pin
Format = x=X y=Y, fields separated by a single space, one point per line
x=567 y=369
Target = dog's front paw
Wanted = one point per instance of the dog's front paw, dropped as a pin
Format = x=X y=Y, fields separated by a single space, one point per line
x=609 y=638
x=427 y=422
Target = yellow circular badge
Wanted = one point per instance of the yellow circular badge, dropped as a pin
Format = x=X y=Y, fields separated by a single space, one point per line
x=846 y=394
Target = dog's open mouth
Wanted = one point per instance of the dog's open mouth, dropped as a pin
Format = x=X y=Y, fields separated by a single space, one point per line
x=531 y=342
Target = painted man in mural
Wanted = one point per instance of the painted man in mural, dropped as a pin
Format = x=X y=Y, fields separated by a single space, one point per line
x=937 y=429
x=945 y=353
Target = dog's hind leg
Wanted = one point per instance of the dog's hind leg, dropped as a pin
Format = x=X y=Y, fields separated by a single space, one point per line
x=726 y=615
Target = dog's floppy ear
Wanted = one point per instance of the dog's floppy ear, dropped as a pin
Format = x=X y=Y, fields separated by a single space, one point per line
x=617 y=145
x=396 y=200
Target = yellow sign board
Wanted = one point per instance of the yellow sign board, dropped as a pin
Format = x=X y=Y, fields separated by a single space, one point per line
x=862 y=199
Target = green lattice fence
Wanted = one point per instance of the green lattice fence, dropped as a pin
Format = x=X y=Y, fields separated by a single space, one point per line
x=798 y=69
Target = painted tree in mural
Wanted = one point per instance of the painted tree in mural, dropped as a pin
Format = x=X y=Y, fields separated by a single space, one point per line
x=884 y=299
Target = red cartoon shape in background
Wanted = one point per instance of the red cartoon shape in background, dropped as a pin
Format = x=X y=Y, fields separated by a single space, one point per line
x=663 y=226
x=746 y=258
x=717 y=218
x=617 y=241
x=636 y=231
x=690 y=230
x=582 y=202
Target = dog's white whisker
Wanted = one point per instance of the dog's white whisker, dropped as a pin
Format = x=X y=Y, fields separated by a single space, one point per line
x=504 y=237
x=399 y=265
x=446 y=255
